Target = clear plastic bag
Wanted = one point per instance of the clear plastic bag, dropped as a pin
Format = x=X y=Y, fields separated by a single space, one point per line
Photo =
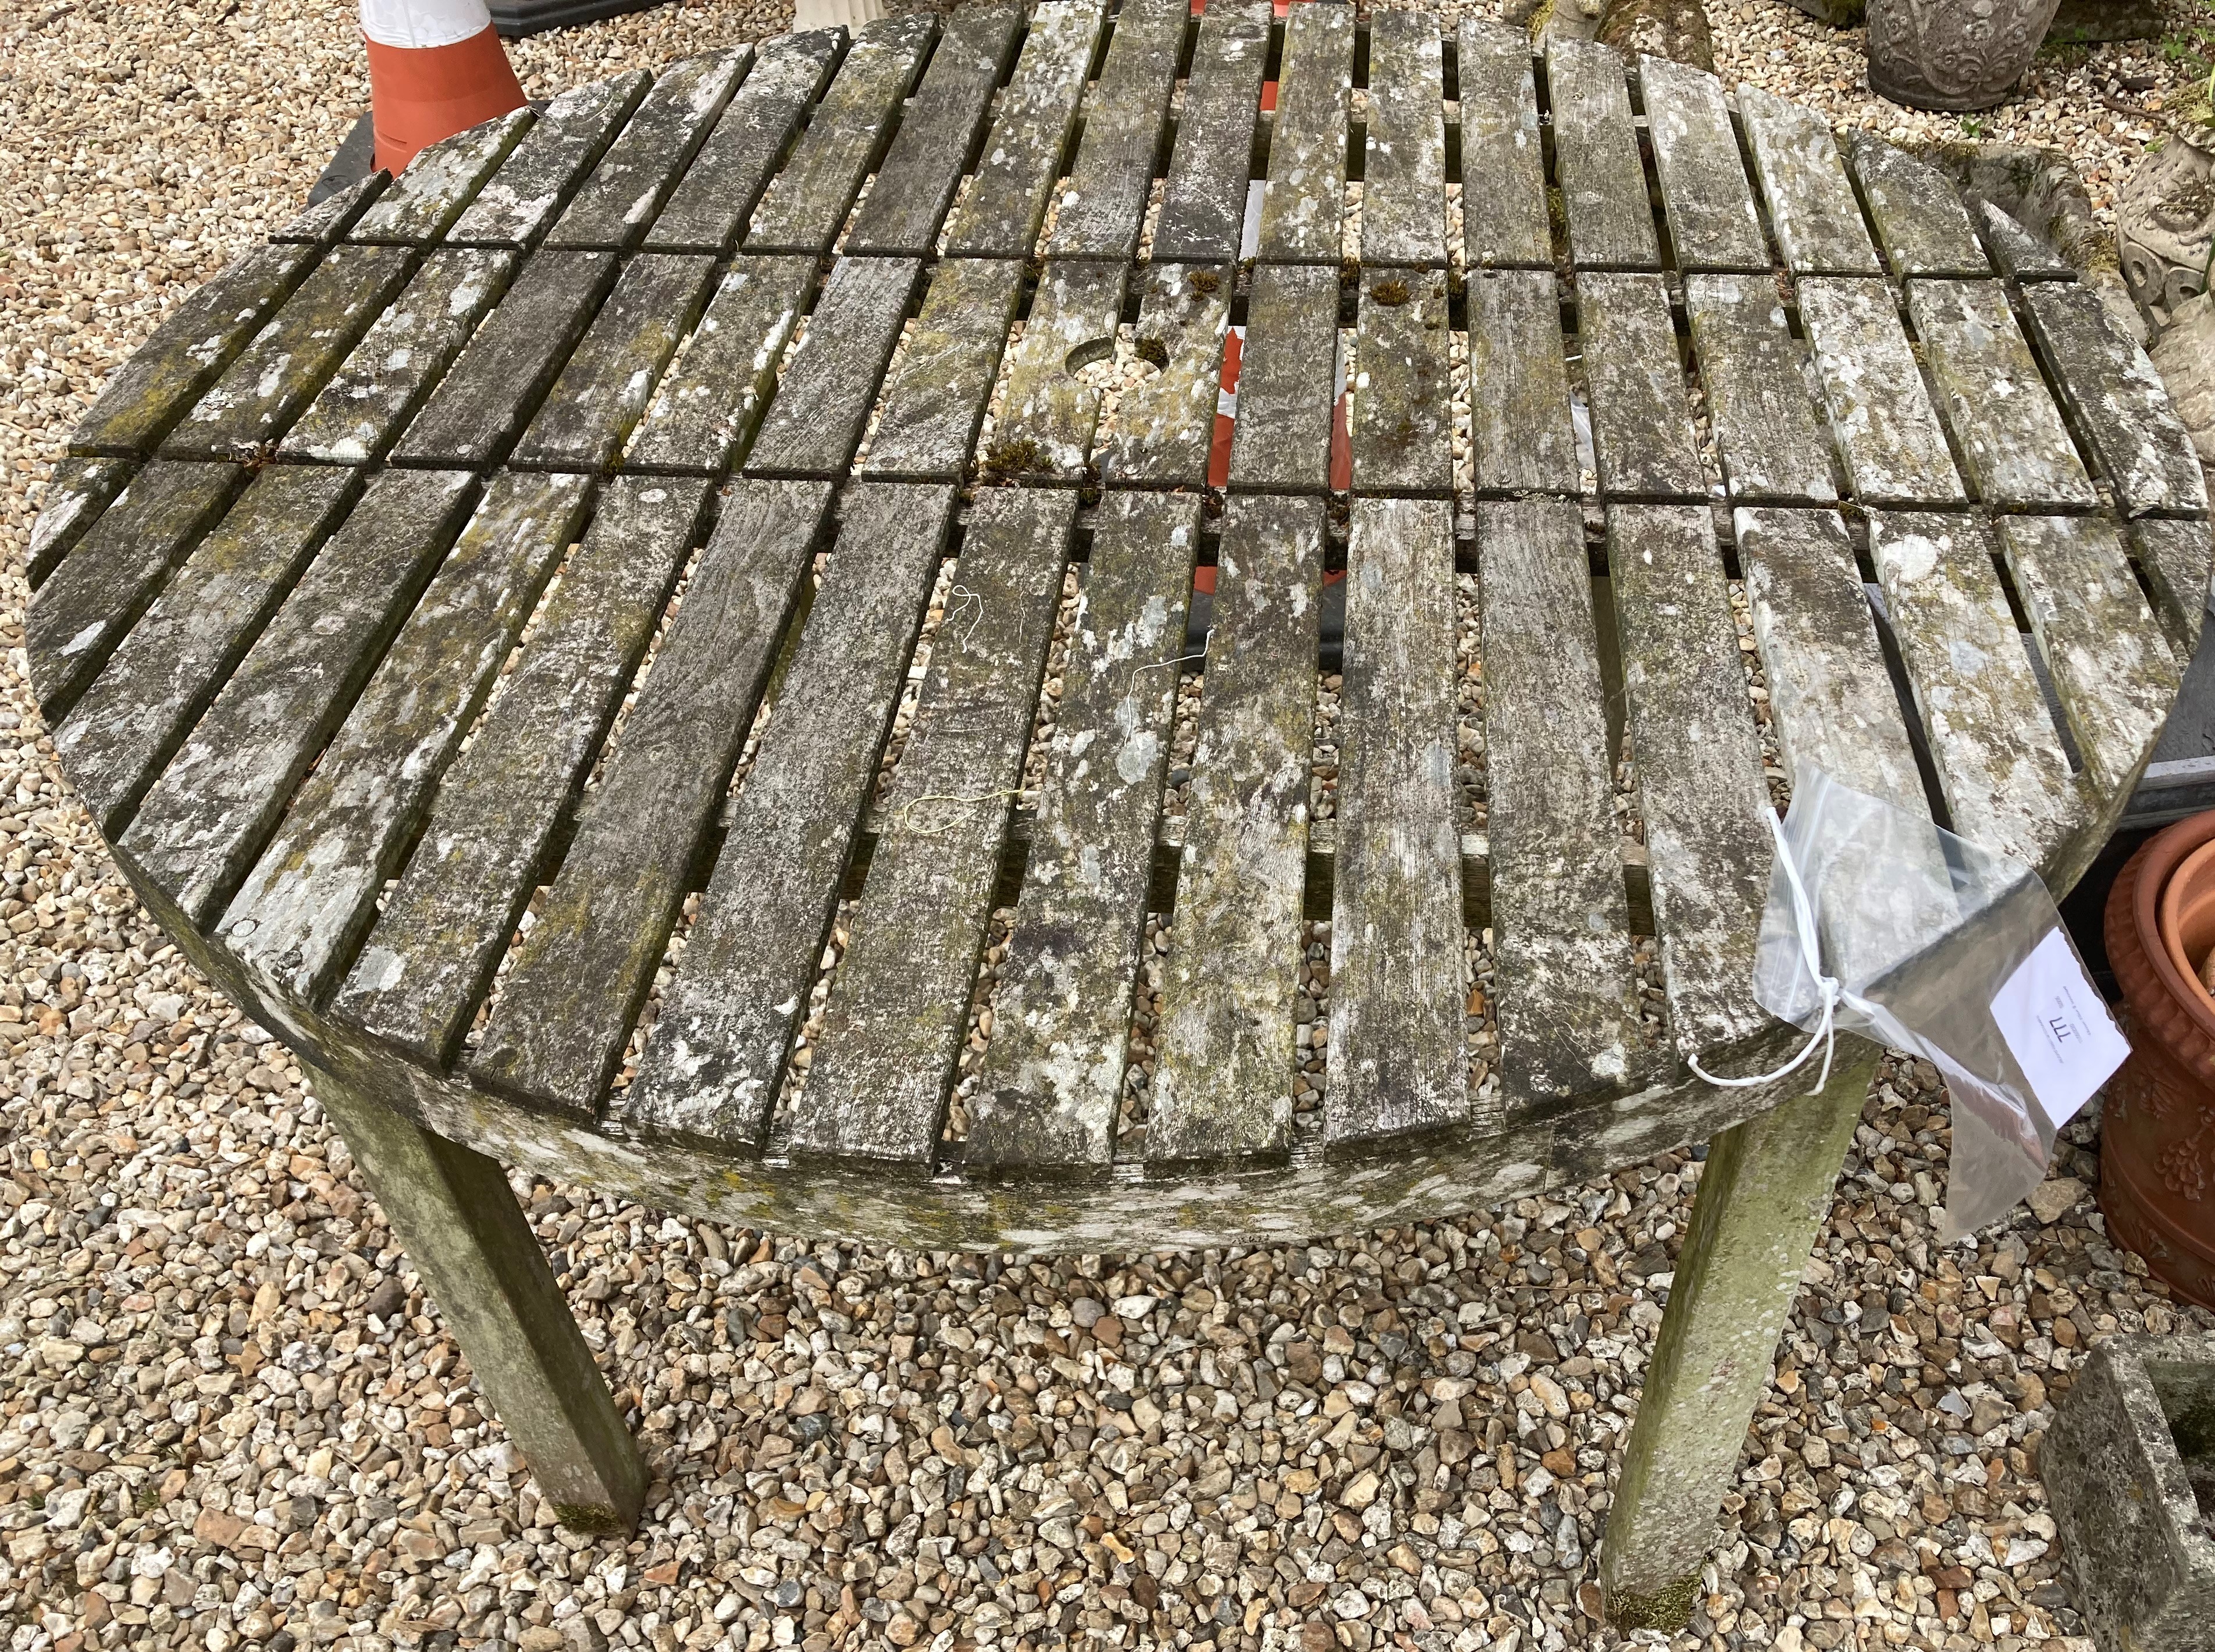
x=1880 y=922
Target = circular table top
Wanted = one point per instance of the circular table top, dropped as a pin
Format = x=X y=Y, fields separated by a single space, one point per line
x=655 y=642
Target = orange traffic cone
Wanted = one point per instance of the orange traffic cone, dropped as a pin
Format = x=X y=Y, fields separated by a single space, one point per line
x=435 y=68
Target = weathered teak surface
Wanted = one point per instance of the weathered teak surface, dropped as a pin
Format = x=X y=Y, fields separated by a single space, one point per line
x=481 y=619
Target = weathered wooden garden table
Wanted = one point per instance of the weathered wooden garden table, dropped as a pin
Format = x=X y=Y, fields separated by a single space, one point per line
x=359 y=620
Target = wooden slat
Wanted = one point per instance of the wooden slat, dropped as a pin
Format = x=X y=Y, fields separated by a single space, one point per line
x=484 y=401
x=1037 y=119
x=2112 y=670
x=161 y=678
x=710 y=205
x=893 y=1024
x=711 y=1068
x=1811 y=201
x=1642 y=423
x=2000 y=764
x=77 y=491
x=440 y=183
x=1223 y=1078
x=615 y=206
x=1595 y=158
x=1503 y=158
x=2117 y=401
x=709 y=406
x=312 y=897
x=1772 y=441
x=1286 y=380
x=1104 y=197
x=831 y=382
x=203 y=822
x=1204 y=203
x=378 y=389
x=90 y=603
x=1830 y=696
x=557 y=1035
x=935 y=398
x=1917 y=210
x=2021 y=255
x=322 y=223
x=1520 y=427
x=939 y=132
x=1880 y=413
x=1560 y=920
x=1166 y=423
x=2175 y=557
x=2006 y=428
x=1052 y=1076
x=536 y=180
x=431 y=956
x=806 y=204
x=1397 y=1058
x=1303 y=207
x=1700 y=786
x=1712 y=222
x=1401 y=420
x=1403 y=192
x=606 y=385
x=1047 y=414
x=189 y=352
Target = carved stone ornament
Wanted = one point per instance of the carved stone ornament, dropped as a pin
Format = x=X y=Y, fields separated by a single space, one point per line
x=2165 y=222
x=1953 y=54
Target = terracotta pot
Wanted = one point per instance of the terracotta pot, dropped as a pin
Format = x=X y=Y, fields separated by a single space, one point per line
x=1953 y=54
x=2185 y=912
x=2158 y=1128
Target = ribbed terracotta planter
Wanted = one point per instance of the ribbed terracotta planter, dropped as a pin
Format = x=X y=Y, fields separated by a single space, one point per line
x=2157 y=1129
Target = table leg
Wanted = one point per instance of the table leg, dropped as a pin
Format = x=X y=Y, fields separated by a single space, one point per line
x=1763 y=1194
x=456 y=1217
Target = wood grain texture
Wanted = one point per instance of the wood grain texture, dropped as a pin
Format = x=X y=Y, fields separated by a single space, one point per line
x=507 y=367
x=556 y=1035
x=203 y=824
x=703 y=417
x=806 y=204
x=615 y=206
x=430 y=955
x=2005 y=426
x=709 y=208
x=1103 y=200
x=1712 y=224
x=1401 y=424
x=607 y=384
x=2175 y=557
x=1403 y=192
x=89 y=604
x=1773 y=443
x=1223 y=1047
x=1031 y=132
x=1518 y=400
x=2000 y=764
x=1398 y=1061
x=304 y=909
x=129 y=722
x=936 y=395
x=1812 y=208
x=1303 y=207
x=1641 y=422
x=1505 y=222
x=1287 y=381
x=1700 y=786
x=329 y=218
x=1166 y=422
x=1596 y=157
x=1880 y=413
x=893 y=1024
x=1920 y=217
x=1204 y=202
x=939 y=132
x=1052 y=1076
x=376 y=390
x=437 y=186
x=711 y=1069
x=830 y=384
x=535 y=182
x=78 y=492
x=1560 y=920
x=1047 y=413
x=2117 y=401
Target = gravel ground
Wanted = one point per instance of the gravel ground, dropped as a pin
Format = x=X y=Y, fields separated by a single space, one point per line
x=230 y=1418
